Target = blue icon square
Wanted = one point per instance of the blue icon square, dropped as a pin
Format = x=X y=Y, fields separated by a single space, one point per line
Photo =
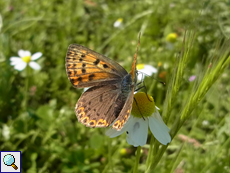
x=10 y=161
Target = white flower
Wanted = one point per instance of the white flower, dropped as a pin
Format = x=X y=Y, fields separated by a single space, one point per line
x=138 y=123
x=145 y=70
x=25 y=58
x=118 y=23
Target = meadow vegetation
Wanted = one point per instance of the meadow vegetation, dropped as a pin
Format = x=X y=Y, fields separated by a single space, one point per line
x=37 y=114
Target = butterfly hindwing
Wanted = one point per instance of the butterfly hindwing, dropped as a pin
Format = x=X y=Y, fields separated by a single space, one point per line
x=86 y=68
x=99 y=106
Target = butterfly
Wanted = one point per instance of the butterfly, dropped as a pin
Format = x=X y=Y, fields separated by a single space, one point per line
x=110 y=96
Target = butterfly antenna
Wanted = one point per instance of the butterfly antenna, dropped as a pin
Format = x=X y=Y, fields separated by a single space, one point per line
x=160 y=81
x=150 y=77
x=144 y=86
x=146 y=91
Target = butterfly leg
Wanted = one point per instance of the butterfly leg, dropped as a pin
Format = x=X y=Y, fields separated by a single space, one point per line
x=144 y=86
x=138 y=108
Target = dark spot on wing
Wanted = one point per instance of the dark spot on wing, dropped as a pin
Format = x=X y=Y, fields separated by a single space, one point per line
x=105 y=66
x=79 y=79
x=91 y=123
x=96 y=62
x=91 y=77
x=83 y=70
x=72 y=80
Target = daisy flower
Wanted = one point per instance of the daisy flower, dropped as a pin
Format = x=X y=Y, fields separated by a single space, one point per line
x=25 y=58
x=145 y=70
x=118 y=23
x=143 y=116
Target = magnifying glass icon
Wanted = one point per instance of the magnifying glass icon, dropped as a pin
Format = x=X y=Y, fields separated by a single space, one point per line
x=9 y=160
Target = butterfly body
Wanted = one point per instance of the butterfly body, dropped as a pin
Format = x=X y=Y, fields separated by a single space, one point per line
x=110 y=96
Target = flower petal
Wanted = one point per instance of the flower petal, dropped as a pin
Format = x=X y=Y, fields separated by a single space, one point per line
x=140 y=76
x=159 y=128
x=118 y=23
x=85 y=89
x=20 y=66
x=34 y=65
x=192 y=78
x=147 y=70
x=131 y=142
x=15 y=60
x=23 y=53
x=113 y=133
x=137 y=131
x=36 y=56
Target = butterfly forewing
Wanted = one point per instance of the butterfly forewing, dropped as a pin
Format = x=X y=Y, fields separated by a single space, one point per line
x=87 y=68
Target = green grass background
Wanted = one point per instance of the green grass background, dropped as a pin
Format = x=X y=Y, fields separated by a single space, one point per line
x=47 y=131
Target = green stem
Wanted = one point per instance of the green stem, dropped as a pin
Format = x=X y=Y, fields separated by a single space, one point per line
x=110 y=164
x=138 y=155
x=149 y=158
x=217 y=155
x=24 y=103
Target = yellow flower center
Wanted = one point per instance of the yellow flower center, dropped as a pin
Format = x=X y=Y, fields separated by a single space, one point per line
x=120 y=20
x=26 y=59
x=140 y=66
x=144 y=106
x=171 y=37
x=123 y=151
